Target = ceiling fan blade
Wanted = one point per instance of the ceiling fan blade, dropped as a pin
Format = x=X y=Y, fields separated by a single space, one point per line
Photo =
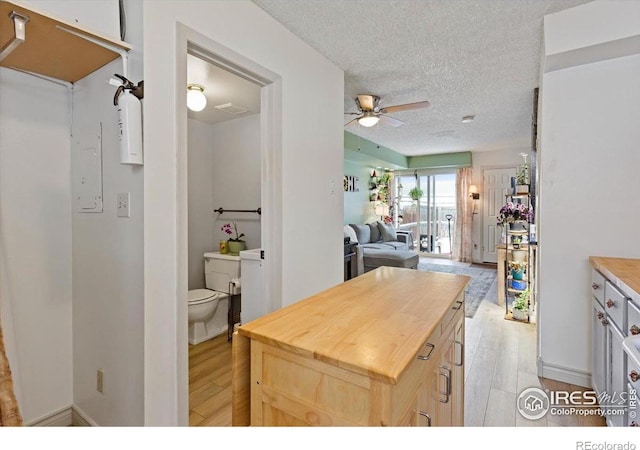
x=367 y=102
x=406 y=107
x=390 y=121
x=351 y=121
x=352 y=114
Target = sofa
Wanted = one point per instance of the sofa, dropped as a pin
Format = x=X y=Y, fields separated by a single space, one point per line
x=379 y=244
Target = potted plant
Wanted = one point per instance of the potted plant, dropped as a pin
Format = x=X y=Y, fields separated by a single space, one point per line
x=416 y=193
x=520 y=307
x=514 y=212
x=517 y=269
x=236 y=244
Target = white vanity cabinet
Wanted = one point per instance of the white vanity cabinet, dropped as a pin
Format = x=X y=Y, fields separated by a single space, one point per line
x=615 y=315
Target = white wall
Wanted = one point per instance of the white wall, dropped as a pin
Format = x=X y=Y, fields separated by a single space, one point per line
x=298 y=176
x=489 y=160
x=108 y=282
x=357 y=207
x=236 y=176
x=99 y=15
x=224 y=171
x=201 y=235
x=589 y=161
x=35 y=239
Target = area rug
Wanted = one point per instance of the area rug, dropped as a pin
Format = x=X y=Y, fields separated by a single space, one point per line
x=481 y=280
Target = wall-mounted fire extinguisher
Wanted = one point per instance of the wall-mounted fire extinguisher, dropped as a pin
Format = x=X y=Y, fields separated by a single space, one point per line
x=127 y=101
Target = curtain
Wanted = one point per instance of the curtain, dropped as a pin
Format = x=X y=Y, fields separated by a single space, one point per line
x=462 y=240
x=9 y=411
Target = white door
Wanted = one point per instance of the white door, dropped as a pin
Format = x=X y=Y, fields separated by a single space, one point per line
x=496 y=183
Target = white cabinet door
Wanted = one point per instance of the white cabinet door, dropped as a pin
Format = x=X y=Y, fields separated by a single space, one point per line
x=599 y=348
x=616 y=373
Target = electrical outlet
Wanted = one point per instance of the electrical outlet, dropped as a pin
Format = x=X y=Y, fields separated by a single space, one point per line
x=100 y=383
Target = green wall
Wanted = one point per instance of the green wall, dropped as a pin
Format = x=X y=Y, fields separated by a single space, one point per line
x=361 y=156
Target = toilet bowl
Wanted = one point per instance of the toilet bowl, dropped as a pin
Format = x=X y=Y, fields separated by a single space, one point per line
x=203 y=304
x=207 y=308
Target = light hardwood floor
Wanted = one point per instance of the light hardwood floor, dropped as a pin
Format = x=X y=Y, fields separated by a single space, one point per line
x=500 y=363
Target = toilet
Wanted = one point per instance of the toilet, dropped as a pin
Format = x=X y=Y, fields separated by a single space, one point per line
x=207 y=308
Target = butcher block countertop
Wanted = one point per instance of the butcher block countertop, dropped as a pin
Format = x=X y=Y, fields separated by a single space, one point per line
x=374 y=324
x=623 y=272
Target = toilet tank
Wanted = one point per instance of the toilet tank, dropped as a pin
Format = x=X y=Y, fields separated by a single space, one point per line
x=219 y=270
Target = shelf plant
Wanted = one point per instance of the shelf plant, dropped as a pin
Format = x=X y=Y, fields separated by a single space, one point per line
x=520 y=305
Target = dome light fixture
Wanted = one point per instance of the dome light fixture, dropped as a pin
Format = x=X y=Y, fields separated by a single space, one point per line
x=196 y=101
x=369 y=119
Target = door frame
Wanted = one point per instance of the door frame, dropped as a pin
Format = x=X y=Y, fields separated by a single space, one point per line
x=167 y=366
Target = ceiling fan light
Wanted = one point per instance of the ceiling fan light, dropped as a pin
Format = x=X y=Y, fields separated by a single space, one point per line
x=196 y=101
x=368 y=119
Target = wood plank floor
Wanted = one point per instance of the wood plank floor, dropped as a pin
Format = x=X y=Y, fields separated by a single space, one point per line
x=500 y=363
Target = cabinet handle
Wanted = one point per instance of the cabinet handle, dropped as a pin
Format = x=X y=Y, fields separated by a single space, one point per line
x=595 y=286
x=634 y=330
x=447 y=380
x=600 y=315
x=427 y=356
x=427 y=416
x=610 y=303
x=461 y=354
x=634 y=376
x=458 y=305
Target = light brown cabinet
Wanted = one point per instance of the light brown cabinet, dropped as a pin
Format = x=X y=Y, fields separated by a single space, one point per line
x=378 y=350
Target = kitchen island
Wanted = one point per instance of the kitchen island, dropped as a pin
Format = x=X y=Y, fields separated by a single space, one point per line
x=382 y=349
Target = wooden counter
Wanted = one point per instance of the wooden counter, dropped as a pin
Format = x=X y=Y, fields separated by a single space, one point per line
x=623 y=272
x=348 y=355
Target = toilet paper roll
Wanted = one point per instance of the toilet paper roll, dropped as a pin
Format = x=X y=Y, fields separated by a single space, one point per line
x=235 y=285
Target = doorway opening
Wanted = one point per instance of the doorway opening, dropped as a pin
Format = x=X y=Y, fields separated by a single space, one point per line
x=432 y=218
x=224 y=174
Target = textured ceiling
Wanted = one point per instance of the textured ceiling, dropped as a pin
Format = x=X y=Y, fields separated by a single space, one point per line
x=467 y=57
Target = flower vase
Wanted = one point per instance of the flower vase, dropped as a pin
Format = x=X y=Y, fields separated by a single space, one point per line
x=235 y=247
x=517 y=274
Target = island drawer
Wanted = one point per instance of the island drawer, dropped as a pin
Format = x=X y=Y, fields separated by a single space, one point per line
x=456 y=306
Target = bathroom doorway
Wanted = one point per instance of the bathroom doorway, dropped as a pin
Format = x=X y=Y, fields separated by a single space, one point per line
x=224 y=201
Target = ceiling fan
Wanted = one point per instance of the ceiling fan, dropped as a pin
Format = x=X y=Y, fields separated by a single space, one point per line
x=370 y=112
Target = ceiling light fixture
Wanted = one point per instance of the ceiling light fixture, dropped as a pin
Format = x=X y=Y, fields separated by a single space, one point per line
x=196 y=101
x=467 y=119
x=369 y=119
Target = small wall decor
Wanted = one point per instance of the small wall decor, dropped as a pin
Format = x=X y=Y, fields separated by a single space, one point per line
x=351 y=183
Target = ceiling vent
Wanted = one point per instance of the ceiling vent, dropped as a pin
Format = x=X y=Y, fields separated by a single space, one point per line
x=231 y=108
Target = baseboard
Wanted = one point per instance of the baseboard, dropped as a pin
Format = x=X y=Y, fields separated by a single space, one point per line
x=217 y=333
x=60 y=418
x=564 y=374
x=81 y=418
x=64 y=417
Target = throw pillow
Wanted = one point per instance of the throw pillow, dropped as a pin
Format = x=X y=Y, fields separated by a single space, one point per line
x=375 y=232
x=388 y=232
x=363 y=232
x=350 y=233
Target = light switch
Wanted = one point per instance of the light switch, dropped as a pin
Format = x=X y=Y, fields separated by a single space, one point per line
x=124 y=207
